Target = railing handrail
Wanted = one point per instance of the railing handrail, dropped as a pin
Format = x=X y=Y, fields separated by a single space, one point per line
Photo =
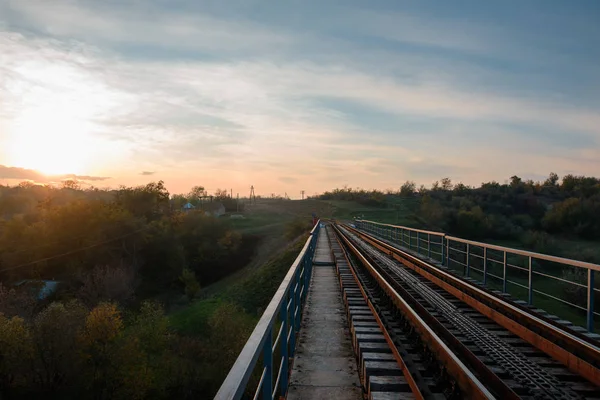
x=234 y=385
x=405 y=227
x=446 y=259
x=526 y=253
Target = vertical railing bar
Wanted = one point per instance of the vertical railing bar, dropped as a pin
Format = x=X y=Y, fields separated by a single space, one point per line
x=484 y=266
x=267 y=388
x=590 y=300
x=284 y=349
x=504 y=274
x=447 y=253
x=530 y=285
x=429 y=245
x=468 y=260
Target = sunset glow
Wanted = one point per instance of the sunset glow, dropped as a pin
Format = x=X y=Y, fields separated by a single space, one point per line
x=365 y=96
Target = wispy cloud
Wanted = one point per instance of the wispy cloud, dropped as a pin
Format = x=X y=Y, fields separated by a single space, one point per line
x=147 y=173
x=24 y=174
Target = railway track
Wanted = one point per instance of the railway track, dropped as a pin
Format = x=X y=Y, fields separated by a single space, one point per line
x=421 y=336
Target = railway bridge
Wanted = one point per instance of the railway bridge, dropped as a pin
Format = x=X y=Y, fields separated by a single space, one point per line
x=378 y=311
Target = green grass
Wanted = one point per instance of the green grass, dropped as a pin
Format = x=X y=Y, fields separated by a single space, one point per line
x=252 y=291
x=399 y=212
x=193 y=320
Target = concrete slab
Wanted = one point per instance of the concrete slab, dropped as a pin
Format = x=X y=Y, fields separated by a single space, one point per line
x=324 y=366
x=323 y=256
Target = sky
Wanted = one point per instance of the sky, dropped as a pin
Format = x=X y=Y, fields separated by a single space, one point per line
x=297 y=95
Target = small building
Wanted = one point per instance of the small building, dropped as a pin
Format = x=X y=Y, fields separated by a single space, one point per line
x=41 y=289
x=188 y=207
x=215 y=209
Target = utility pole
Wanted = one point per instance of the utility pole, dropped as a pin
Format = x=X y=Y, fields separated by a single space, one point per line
x=231 y=194
x=237 y=204
x=302 y=194
x=252 y=196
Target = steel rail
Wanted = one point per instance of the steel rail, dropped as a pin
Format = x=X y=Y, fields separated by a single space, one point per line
x=467 y=381
x=405 y=371
x=556 y=342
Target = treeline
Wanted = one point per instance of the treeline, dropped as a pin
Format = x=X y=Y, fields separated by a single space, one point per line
x=516 y=209
x=66 y=233
x=97 y=337
x=522 y=210
x=199 y=197
x=70 y=351
x=370 y=198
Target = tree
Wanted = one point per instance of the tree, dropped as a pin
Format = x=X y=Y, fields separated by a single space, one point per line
x=222 y=194
x=552 y=180
x=196 y=193
x=108 y=283
x=515 y=181
x=446 y=184
x=190 y=283
x=72 y=184
x=408 y=189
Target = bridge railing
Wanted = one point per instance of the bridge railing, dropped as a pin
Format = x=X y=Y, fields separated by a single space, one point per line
x=274 y=338
x=426 y=243
x=560 y=285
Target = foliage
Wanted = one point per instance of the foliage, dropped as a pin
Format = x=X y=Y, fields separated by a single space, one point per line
x=509 y=211
x=408 y=189
x=110 y=245
x=297 y=227
x=190 y=283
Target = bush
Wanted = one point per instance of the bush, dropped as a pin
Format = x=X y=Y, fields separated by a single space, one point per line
x=190 y=283
x=297 y=227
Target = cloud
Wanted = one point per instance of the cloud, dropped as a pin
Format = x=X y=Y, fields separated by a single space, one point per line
x=16 y=173
x=82 y=177
x=20 y=173
x=147 y=173
x=361 y=99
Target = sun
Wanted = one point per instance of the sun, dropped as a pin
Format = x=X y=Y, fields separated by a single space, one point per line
x=49 y=140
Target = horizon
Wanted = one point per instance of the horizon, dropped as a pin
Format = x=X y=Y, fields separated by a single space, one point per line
x=297 y=97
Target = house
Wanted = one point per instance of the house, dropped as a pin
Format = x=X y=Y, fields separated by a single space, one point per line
x=188 y=207
x=215 y=209
x=41 y=289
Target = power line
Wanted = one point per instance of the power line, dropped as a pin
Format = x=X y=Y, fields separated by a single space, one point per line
x=73 y=251
x=52 y=242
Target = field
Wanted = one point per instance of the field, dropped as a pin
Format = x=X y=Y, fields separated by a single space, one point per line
x=252 y=286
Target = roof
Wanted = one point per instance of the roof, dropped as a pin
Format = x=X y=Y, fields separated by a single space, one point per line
x=48 y=287
x=188 y=206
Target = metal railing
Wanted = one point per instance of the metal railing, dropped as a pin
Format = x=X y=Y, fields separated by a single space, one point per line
x=534 y=277
x=426 y=243
x=282 y=316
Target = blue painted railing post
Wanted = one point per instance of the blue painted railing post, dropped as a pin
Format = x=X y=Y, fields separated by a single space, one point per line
x=418 y=243
x=590 y=300
x=284 y=349
x=291 y=316
x=298 y=308
x=267 y=388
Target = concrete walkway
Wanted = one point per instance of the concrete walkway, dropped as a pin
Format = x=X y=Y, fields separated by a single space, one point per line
x=324 y=367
